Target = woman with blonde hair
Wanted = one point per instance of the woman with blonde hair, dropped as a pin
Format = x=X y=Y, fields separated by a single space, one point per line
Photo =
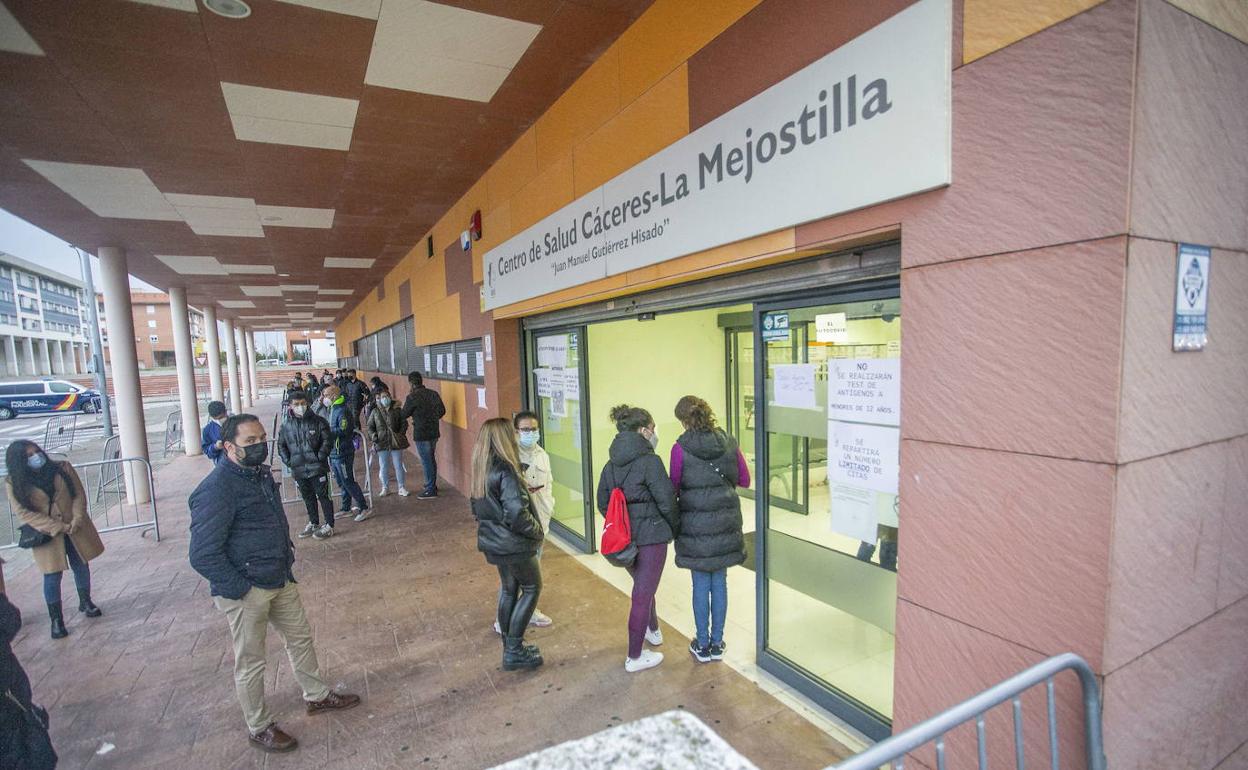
x=509 y=534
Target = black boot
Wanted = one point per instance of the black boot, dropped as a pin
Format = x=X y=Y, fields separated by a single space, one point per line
x=85 y=605
x=59 y=631
x=520 y=656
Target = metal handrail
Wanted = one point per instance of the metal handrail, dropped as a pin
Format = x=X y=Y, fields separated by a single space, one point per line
x=892 y=751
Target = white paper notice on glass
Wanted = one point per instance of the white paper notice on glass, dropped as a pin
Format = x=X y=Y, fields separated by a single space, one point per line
x=441 y=365
x=428 y=361
x=865 y=390
x=863 y=455
x=481 y=399
x=831 y=327
x=572 y=384
x=552 y=351
x=795 y=386
x=558 y=401
x=543 y=381
x=480 y=363
x=463 y=365
x=487 y=342
x=853 y=512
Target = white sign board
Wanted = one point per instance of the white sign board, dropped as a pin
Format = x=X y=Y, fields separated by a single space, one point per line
x=794 y=385
x=860 y=126
x=865 y=390
x=853 y=512
x=543 y=378
x=428 y=361
x=863 y=456
x=831 y=327
x=571 y=384
x=480 y=363
x=552 y=351
x=1191 y=298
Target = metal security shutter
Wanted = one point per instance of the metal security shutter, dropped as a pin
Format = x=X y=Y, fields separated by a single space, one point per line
x=794 y=277
x=415 y=354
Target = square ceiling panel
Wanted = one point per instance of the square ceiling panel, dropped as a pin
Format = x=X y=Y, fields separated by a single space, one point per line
x=437 y=49
x=299 y=287
x=274 y=116
x=365 y=9
x=349 y=262
x=177 y=5
x=217 y=215
x=295 y=216
x=337 y=292
x=261 y=291
x=15 y=39
x=327 y=305
x=183 y=265
x=108 y=191
x=236 y=303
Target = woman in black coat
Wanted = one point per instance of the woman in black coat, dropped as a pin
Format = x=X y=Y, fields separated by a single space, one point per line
x=509 y=535
x=639 y=473
x=707 y=467
x=24 y=738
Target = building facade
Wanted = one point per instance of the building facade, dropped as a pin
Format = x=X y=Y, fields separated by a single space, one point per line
x=1050 y=474
x=153 y=329
x=42 y=321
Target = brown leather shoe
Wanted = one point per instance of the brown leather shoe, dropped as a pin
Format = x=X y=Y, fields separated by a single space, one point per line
x=333 y=702
x=273 y=739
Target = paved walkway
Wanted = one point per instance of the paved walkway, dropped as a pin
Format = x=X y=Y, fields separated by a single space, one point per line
x=401 y=607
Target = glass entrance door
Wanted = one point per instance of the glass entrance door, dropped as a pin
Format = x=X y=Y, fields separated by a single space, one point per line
x=557 y=363
x=828 y=392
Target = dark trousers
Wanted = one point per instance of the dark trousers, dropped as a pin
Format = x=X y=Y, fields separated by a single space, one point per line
x=82 y=576
x=519 y=585
x=427 y=450
x=646 y=571
x=344 y=474
x=316 y=490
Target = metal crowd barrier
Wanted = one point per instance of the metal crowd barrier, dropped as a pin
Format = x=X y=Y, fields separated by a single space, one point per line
x=173 y=432
x=59 y=432
x=892 y=752
x=109 y=508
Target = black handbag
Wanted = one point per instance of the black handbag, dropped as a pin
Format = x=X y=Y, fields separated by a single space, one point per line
x=26 y=738
x=31 y=537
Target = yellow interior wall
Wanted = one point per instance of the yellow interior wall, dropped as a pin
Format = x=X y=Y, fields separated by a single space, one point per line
x=454 y=397
x=586 y=105
x=990 y=25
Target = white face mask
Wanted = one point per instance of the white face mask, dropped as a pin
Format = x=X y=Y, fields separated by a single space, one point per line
x=385 y=402
x=219 y=420
x=299 y=410
x=654 y=437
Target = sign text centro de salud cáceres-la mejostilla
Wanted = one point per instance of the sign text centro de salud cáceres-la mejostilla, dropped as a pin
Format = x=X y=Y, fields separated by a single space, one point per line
x=867 y=123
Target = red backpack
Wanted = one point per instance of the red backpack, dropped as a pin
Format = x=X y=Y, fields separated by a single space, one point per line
x=617 y=532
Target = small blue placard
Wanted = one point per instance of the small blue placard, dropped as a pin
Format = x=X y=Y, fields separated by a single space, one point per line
x=775 y=326
x=1191 y=298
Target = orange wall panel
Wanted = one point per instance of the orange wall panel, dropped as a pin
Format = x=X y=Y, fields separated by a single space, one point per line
x=590 y=101
x=990 y=25
x=550 y=191
x=439 y=321
x=454 y=397
x=495 y=228
x=511 y=171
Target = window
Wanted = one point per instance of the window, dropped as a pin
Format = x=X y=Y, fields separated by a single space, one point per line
x=61 y=387
x=151 y=324
x=154 y=338
x=151 y=310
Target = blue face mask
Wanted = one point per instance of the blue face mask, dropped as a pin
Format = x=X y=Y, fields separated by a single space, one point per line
x=37 y=461
x=529 y=438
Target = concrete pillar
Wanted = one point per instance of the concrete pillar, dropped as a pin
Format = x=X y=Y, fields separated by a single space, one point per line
x=10 y=356
x=244 y=370
x=31 y=368
x=45 y=357
x=249 y=337
x=185 y=359
x=212 y=349
x=58 y=356
x=231 y=366
x=115 y=277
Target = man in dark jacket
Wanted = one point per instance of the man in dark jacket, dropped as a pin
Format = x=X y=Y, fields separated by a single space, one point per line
x=303 y=442
x=425 y=409
x=240 y=543
x=342 y=427
x=357 y=394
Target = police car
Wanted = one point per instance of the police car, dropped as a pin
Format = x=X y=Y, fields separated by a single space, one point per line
x=46 y=396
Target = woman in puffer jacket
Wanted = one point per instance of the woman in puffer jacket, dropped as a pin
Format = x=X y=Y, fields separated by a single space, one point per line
x=640 y=475
x=509 y=535
x=707 y=467
x=387 y=430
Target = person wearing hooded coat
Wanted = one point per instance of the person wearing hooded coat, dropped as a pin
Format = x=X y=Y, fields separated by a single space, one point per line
x=707 y=466
x=636 y=469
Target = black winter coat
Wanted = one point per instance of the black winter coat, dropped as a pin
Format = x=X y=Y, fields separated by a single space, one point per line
x=239 y=534
x=425 y=409
x=507 y=528
x=357 y=395
x=710 y=536
x=638 y=471
x=13 y=749
x=303 y=444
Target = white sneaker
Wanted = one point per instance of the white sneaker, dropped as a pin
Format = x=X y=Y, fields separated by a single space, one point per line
x=403 y=492
x=363 y=515
x=324 y=532
x=497 y=629
x=540 y=620
x=654 y=636
x=383 y=492
x=355 y=509
x=647 y=659
x=307 y=530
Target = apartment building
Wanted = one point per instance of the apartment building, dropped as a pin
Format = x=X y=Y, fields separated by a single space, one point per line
x=153 y=329
x=42 y=321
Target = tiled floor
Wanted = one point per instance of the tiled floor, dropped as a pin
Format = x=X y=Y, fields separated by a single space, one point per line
x=401 y=607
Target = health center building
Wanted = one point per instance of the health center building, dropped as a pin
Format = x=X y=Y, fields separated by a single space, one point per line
x=968 y=282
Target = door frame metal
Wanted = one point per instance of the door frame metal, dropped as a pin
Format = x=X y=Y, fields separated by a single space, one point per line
x=856 y=714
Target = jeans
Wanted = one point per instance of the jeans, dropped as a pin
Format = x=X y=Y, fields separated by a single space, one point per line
x=519 y=585
x=429 y=461
x=392 y=458
x=344 y=474
x=646 y=572
x=314 y=490
x=82 y=576
x=710 y=605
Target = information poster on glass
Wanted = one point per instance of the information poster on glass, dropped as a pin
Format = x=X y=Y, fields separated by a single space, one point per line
x=864 y=412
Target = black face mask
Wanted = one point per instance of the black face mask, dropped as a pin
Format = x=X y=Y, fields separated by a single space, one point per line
x=253 y=455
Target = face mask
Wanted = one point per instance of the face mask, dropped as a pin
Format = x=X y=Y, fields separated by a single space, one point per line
x=654 y=437
x=528 y=438
x=385 y=402
x=37 y=461
x=253 y=455
x=299 y=410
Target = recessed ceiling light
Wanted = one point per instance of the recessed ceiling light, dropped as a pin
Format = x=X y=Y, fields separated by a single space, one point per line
x=230 y=9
